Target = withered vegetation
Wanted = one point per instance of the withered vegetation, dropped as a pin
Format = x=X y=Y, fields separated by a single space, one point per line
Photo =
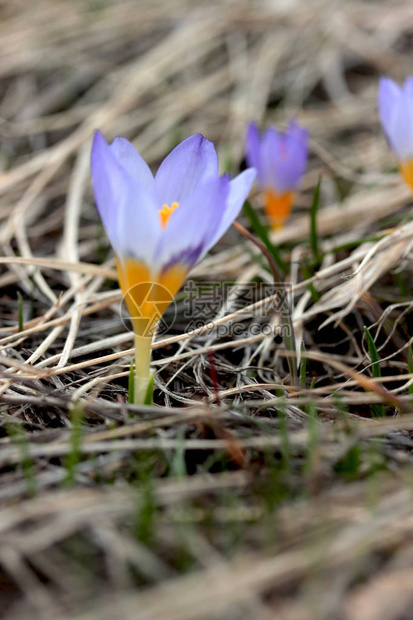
x=272 y=477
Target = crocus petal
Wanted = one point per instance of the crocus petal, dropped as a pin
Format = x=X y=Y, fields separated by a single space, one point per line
x=252 y=149
x=399 y=129
x=106 y=177
x=129 y=159
x=389 y=94
x=283 y=159
x=292 y=160
x=180 y=172
x=298 y=133
x=396 y=115
x=192 y=226
x=128 y=211
x=140 y=227
x=239 y=188
x=271 y=147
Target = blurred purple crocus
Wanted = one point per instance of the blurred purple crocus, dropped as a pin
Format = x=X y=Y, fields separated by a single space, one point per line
x=280 y=160
x=161 y=226
x=396 y=116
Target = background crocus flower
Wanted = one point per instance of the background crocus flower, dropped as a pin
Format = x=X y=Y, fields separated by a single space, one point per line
x=161 y=226
x=280 y=160
x=396 y=115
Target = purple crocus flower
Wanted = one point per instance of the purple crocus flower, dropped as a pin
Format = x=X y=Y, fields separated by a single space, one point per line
x=161 y=226
x=396 y=116
x=280 y=160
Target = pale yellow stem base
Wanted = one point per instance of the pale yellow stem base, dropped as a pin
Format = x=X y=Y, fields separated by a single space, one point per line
x=143 y=354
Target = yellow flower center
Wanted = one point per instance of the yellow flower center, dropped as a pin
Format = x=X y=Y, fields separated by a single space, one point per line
x=166 y=212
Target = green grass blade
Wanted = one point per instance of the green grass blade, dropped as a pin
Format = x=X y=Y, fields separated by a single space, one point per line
x=178 y=465
x=262 y=234
x=313 y=222
x=307 y=273
x=149 y=392
x=303 y=368
x=373 y=354
x=18 y=435
x=379 y=410
x=288 y=334
x=285 y=446
x=20 y=310
x=313 y=440
x=73 y=456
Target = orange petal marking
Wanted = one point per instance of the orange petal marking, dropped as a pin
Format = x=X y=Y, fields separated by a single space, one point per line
x=278 y=207
x=173 y=278
x=147 y=297
x=406 y=169
x=135 y=282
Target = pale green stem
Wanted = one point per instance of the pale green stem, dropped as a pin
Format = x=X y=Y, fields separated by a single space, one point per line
x=142 y=367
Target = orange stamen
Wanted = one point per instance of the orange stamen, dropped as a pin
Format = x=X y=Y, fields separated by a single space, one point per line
x=166 y=212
